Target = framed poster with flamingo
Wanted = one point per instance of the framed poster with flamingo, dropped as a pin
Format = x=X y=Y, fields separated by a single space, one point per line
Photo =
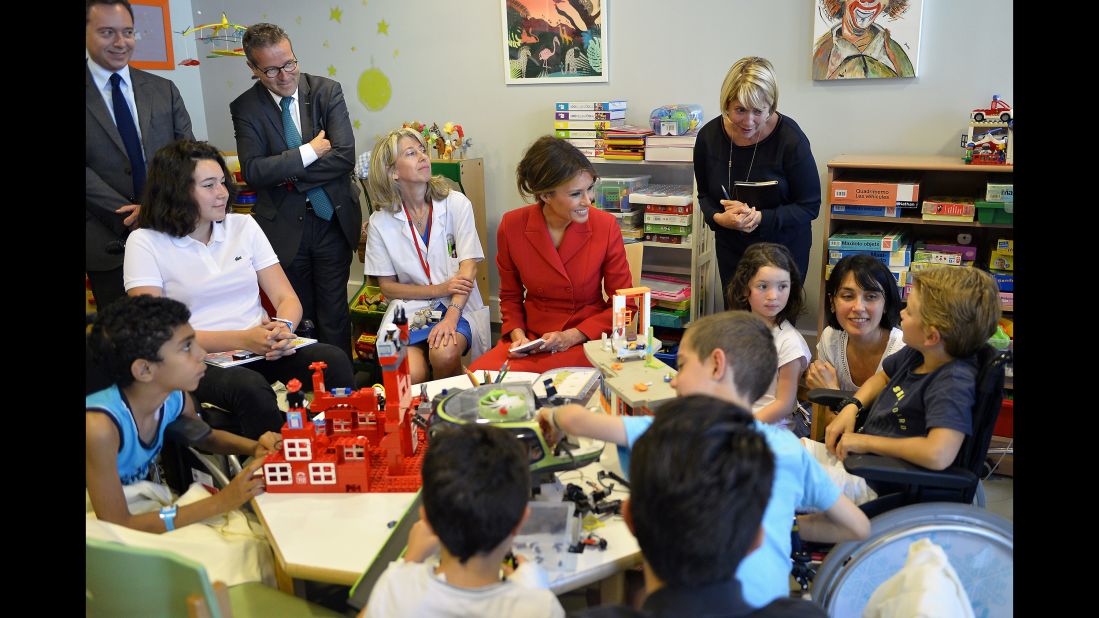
x=554 y=41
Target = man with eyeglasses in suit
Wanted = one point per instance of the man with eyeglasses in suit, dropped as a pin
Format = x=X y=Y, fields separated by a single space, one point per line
x=297 y=151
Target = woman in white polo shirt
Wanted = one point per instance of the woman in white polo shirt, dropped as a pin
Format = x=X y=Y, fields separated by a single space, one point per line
x=189 y=249
x=423 y=247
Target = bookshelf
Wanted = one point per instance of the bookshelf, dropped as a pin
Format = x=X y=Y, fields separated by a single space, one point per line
x=695 y=259
x=937 y=175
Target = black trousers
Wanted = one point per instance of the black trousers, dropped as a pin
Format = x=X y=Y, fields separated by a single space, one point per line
x=106 y=286
x=245 y=390
x=319 y=275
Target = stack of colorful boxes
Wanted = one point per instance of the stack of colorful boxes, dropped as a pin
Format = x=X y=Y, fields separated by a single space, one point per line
x=613 y=194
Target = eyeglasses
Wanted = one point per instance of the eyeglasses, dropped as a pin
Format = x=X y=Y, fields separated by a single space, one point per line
x=291 y=66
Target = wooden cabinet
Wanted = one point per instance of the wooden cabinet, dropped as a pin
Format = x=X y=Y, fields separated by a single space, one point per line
x=937 y=176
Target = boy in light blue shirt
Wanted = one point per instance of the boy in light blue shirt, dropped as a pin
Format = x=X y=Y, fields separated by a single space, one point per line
x=731 y=356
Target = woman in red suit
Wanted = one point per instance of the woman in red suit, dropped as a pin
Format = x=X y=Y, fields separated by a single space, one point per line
x=558 y=250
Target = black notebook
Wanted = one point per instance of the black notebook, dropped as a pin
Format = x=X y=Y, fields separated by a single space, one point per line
x=758 y=195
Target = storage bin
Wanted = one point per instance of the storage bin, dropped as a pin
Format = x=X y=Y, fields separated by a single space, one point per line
x=995 y=212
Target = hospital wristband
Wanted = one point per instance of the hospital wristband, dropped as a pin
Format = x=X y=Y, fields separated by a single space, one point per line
x=168 y=516
x=288 y=323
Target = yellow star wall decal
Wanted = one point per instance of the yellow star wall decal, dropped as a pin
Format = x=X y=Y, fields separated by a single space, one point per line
x=331 y=71
x=335 y=14
x=383 y=28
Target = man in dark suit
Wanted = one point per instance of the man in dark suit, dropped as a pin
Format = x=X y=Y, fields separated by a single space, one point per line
x=119 y=141
x=297 y=150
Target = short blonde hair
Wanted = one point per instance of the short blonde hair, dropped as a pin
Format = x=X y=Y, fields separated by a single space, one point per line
x=750 y=82
x=380 y=184
x=963 y=303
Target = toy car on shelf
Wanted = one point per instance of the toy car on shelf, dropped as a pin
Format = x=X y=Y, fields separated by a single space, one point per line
x=998 y=110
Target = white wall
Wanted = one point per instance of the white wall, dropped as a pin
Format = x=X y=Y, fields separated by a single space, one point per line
x=187 y=79
x=444 y=61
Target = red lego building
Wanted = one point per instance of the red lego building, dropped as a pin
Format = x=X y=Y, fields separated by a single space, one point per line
x=360 y=446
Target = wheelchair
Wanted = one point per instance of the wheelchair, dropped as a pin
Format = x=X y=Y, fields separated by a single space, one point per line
x=911 y=491
x=979 y=545
x=911 y=484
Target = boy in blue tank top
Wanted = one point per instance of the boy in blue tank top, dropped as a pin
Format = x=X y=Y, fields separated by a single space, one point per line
x=147 y=347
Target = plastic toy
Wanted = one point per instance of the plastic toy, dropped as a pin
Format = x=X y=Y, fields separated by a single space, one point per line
x=225 y=38
x=510 y=407
x=997 y=110
x=365 y=443
x=675 y=119
x=630 y=318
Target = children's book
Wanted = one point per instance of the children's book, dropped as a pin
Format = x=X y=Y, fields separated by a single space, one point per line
x=617 y=104
x=232 y=358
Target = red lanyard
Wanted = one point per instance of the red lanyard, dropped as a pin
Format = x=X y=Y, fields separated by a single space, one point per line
x=412 y=228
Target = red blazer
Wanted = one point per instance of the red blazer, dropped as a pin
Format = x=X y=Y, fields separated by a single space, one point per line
x=562 y=284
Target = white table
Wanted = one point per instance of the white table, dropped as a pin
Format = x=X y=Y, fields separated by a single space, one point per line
x=622 y=550
x=336 y=538
x=621 y=381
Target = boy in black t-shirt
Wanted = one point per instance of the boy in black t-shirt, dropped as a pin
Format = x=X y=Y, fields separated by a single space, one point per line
x=923 y=397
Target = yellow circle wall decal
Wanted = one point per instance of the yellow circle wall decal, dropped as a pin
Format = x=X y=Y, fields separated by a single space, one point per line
x=374 y=90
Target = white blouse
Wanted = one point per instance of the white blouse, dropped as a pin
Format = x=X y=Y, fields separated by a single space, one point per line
x=832 y=347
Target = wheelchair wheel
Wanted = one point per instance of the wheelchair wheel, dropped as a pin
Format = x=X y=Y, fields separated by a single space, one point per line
x=978 y=543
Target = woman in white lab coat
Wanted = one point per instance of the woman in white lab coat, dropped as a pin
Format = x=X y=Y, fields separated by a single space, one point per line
x=422 y=246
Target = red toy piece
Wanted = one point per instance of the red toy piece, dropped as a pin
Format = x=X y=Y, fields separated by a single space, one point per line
x=997 y=111
x=359 y=446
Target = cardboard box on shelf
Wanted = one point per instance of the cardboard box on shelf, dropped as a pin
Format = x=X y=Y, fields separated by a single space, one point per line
x=855 y=193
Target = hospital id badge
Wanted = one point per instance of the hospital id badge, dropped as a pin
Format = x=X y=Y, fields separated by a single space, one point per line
x=451 y=248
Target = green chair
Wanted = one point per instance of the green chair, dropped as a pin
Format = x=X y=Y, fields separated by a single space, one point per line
x=123 y=581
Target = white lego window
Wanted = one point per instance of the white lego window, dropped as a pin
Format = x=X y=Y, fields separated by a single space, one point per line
x=340 y=425
x=361 y=416
x=297 y=449
x=322 y=474
x=277 y=474
x=354 y=451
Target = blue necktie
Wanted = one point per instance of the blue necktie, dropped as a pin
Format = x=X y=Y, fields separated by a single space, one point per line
x=124 y=120
x=322 y=206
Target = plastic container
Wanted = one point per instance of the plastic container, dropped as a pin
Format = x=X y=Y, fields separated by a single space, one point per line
x=368 y=307
x=613 y=192
x=678 y=119
x=995 y=212
x=669 y=319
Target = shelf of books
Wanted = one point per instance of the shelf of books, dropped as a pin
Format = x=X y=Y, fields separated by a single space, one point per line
x=655 y=205
x=912 y=212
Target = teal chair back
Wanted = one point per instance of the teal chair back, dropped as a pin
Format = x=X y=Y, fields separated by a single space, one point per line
x=121 y=580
